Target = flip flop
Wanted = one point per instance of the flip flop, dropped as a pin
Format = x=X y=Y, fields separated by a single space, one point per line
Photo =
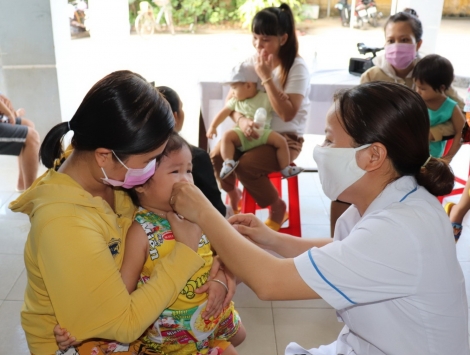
x=457 y=227
x=274 y=225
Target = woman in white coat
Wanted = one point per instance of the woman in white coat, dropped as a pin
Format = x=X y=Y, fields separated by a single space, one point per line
x=391 y=270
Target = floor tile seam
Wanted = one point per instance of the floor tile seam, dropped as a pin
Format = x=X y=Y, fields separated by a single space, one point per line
x=274 y=328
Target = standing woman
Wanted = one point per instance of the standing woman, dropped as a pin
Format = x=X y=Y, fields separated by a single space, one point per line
x=79 y=220
x=280 y=69
x=391 y=270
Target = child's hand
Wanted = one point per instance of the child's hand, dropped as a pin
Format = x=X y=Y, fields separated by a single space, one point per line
x=211 y=132
x=216 y=295
x=63 y=338
x=283 y=96
x=185 y=231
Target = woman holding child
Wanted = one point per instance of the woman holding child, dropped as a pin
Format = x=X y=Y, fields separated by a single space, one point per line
x=79 y=223
x=280 y=70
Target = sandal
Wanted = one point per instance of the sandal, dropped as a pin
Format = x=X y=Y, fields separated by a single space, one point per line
x=457 y=227
x=290 y=171
x=274 y=225
x=227 y=168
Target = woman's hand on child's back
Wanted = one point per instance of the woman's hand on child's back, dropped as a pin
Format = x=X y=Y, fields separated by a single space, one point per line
x=185 y=231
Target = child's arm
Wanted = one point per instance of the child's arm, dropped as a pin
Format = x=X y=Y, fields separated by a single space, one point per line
x=135 y=253
x=458 y=121
x=221 y=116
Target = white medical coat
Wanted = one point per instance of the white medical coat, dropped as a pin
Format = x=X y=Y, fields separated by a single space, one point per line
x=393 y=277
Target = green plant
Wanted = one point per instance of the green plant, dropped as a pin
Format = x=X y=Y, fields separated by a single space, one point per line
x=249 y=8
x=203 y=11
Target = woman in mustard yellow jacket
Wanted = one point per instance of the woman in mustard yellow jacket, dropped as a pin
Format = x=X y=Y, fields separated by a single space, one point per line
x=79 y=220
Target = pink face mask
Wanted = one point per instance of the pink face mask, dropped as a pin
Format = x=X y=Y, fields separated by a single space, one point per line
x=400 y=55
x=134 y=177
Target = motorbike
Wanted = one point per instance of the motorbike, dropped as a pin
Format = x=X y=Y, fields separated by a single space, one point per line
x=357 y=66
x=364 y=12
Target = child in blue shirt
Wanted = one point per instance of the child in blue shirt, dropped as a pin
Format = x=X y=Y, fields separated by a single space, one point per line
x=433 y=75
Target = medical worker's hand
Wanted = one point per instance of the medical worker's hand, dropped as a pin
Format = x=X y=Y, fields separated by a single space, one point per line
x=185 y=231
x=63 y=338
x=254 y=229
x=188 y=201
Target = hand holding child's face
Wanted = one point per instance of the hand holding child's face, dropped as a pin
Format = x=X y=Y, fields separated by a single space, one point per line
x=176 y=167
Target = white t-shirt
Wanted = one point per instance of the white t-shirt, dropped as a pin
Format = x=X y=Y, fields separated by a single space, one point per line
x=393 y=277
x=298 y=82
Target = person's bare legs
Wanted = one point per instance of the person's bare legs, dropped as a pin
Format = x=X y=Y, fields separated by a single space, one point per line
x=239 y=336
x=20 y=186
x=229 y=142
x=236 y=340
x=253 y=169
x=230 y=350
x=29 y=160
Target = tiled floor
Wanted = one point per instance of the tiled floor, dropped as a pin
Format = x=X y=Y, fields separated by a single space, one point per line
x=270 y=325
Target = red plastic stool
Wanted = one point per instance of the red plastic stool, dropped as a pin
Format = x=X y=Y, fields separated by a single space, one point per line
x=249 y=205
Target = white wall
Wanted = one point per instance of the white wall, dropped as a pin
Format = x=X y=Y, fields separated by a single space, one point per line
x=430 y=14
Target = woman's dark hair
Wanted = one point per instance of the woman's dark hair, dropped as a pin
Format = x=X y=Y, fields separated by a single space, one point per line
x=277 y=21
x=411 y=17
x=121 y=112
x=175 y=143
x=171 y=96
x=435 y=71
x=397 y=117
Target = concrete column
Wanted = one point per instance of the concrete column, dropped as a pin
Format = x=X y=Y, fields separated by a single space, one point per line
x=430 y=14
x=30 y=43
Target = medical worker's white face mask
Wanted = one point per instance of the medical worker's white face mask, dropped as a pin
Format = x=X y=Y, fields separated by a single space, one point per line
x=337 y=168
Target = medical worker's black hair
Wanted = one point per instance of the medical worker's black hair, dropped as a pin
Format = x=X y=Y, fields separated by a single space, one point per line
x=397 y=117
